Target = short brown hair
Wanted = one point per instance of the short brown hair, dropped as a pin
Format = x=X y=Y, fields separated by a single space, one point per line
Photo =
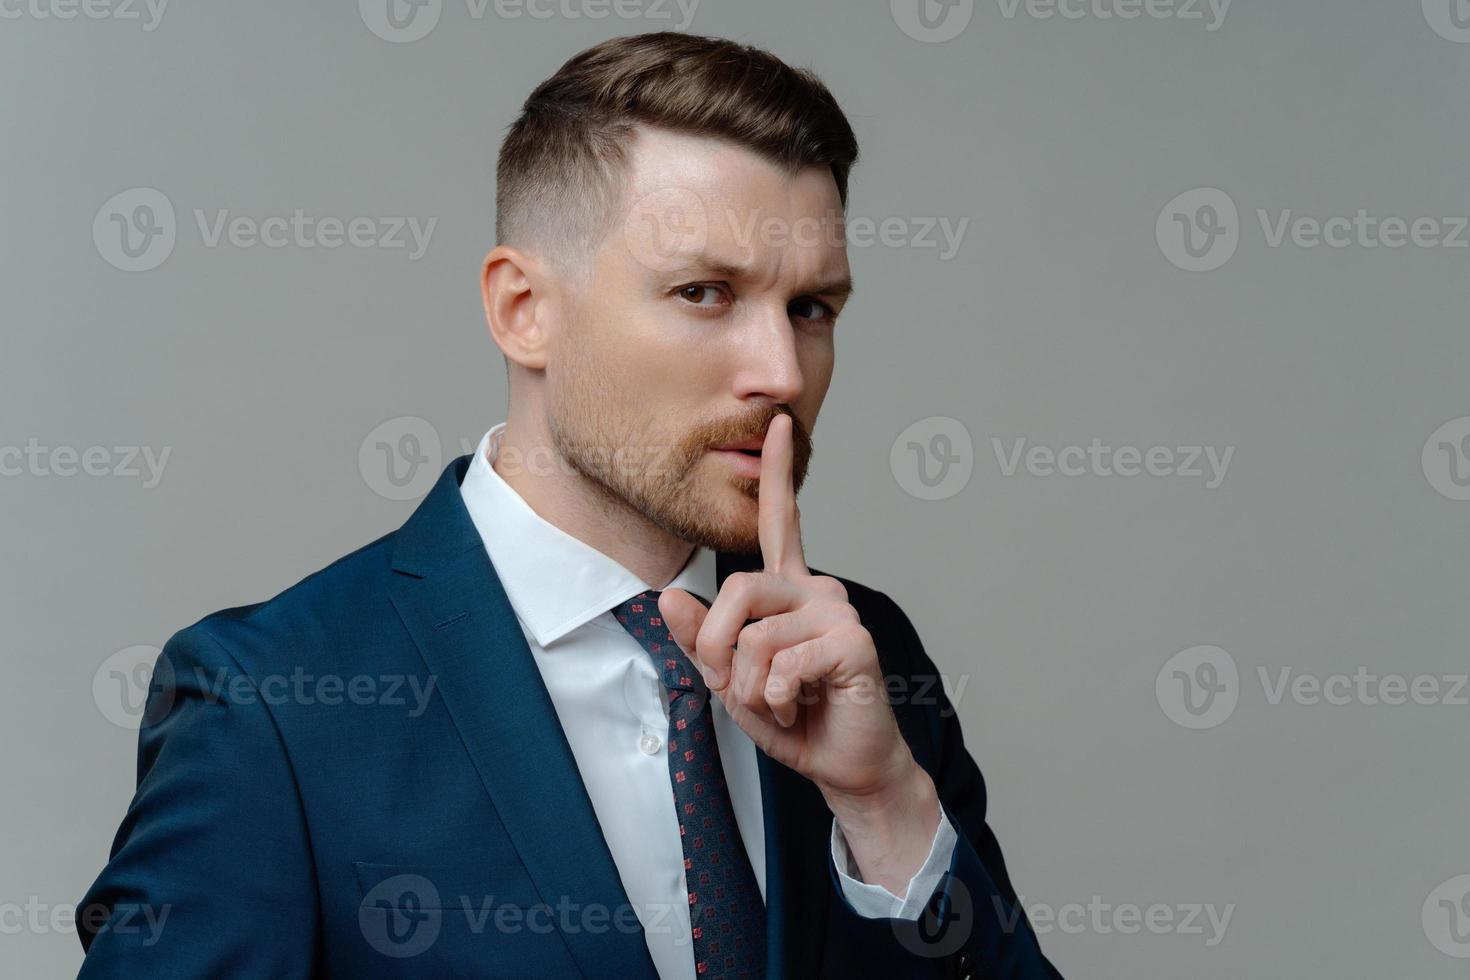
x=557 y=178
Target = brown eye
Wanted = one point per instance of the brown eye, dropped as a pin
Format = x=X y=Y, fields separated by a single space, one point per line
x=696 y=294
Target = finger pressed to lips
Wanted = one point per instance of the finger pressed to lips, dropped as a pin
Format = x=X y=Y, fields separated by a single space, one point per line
x=779 y=523
x=764 y=612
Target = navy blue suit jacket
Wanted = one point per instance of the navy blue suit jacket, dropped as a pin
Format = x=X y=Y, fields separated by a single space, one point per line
x=350 y=834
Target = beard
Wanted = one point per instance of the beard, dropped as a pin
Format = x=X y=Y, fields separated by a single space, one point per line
x=636 y=464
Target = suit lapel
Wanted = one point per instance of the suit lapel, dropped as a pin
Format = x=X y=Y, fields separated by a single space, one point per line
x=456 y=610
x=798 y=826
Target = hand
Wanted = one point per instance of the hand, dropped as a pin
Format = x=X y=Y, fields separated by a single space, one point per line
x=804 y=682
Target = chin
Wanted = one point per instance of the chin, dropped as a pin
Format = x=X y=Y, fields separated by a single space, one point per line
x=726 y=517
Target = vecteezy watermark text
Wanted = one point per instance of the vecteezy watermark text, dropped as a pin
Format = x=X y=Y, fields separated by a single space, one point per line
x=86 y=9
x=937 y=21
x=123 y=462
x=406 y=21
x=402 y=916
x=1206 y=463
x=1200 y=230
x=1200 y=687
x=137 y=687
x=1102 y=918
x=39 y=918
x=136 y=230
x=305 y=688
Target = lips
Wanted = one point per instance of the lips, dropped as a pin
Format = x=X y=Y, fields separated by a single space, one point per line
x=750 y=446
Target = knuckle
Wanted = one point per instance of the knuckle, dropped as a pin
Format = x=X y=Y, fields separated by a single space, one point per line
x=704 y=643
x=736 y=582
x=748 y=693
x=805 y=653
x=833 y=587
x=855 y=633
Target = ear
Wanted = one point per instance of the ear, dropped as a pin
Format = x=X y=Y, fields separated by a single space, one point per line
x=511 y=287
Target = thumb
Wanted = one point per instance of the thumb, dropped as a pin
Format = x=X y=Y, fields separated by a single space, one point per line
x=683 y=615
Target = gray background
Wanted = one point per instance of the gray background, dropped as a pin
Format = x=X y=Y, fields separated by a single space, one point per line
x=1056 y=600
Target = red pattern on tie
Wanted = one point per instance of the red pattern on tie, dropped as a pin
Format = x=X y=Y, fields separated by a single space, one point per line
x=726 y=913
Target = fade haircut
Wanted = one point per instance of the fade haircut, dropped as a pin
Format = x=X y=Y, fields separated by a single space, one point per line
x=561 y=167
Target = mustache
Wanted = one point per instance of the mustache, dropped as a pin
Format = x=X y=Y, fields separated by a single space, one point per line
x=724 y=433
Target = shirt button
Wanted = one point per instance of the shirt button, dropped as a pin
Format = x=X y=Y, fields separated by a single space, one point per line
x=650 y=744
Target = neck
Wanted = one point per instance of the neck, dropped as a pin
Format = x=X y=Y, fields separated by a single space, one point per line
x=568 y=500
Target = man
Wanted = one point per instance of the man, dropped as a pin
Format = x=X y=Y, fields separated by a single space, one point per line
x=651 y=741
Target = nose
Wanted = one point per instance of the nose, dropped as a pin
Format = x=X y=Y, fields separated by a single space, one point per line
x=769 y=365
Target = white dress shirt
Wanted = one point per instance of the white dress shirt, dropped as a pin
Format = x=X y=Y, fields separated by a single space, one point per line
x=609 y=701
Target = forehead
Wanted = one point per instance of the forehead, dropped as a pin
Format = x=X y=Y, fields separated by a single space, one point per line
x=689 y=195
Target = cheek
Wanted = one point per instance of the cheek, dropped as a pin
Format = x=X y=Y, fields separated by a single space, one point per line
x=818 y=358
x=600 y=354
x=675 y=365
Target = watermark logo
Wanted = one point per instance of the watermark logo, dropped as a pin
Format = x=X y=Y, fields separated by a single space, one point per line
x=1446 y=459
x=401 y=916
x=1450 y=19
x=1199 y=230
x=400 y=21
x=663 y=227
x=122 y=684
x=135 y=230
x=943 y=927
x=932 y=21
x=933 y=459
x=1446 y=917
x=400 y=459
x=1198 y=688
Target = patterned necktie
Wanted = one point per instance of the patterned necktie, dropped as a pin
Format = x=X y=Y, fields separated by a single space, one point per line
x=726 y=914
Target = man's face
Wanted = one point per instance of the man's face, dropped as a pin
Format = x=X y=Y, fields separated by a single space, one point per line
x=708 y=308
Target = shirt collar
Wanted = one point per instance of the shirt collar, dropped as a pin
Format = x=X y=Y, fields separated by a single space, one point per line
x=555 y=582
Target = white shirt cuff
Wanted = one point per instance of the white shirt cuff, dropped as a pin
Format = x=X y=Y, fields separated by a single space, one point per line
x=877 y=902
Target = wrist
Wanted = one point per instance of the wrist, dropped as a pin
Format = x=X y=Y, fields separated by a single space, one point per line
x=890 y=830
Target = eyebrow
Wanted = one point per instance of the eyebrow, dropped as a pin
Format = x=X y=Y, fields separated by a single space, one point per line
x=840 y=288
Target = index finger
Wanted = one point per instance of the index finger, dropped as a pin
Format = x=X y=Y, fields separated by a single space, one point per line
x=779 y=525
